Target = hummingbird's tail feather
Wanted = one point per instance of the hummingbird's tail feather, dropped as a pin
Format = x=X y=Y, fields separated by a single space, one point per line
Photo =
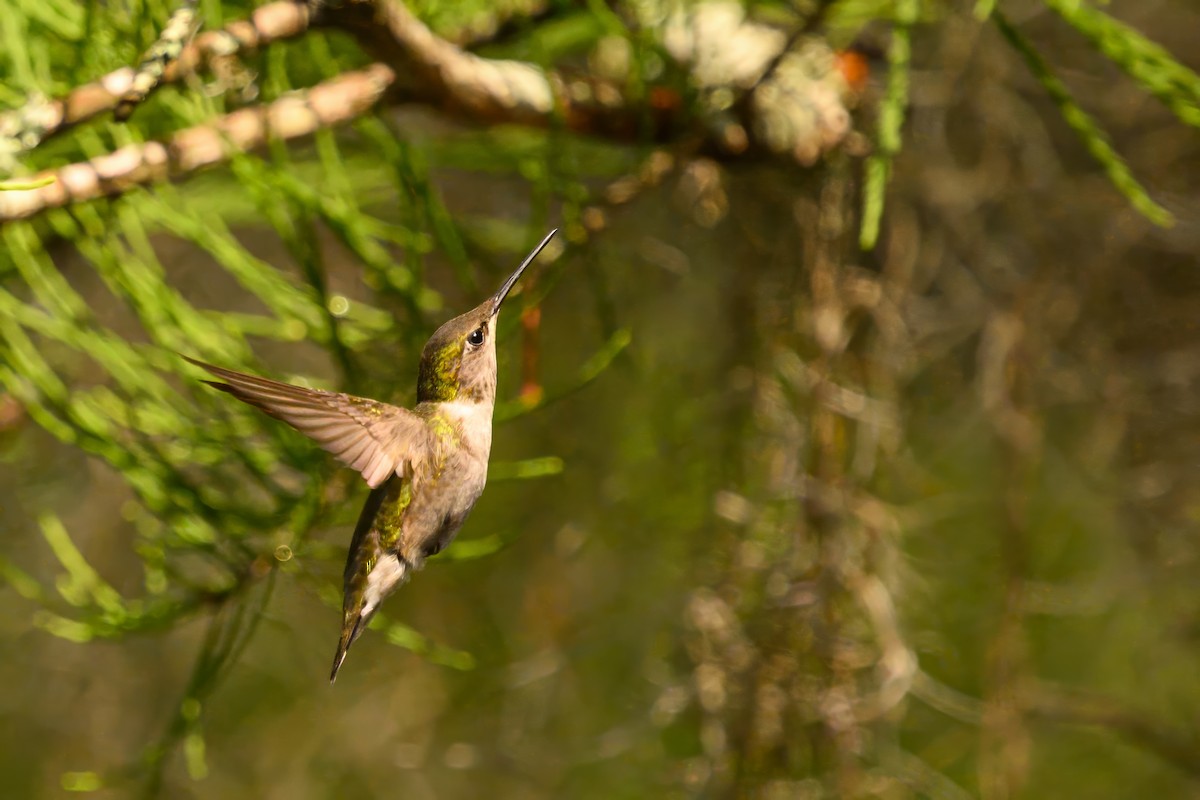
x=349 y=634
x=363 y=597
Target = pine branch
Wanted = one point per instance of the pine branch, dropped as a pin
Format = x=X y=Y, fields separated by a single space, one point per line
x=27 y=127
x=328 y=104
x=421 y=67
x=162 y=54
x=444 y=74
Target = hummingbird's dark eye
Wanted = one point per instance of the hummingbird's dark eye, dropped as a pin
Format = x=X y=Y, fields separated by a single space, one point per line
x=476 y=337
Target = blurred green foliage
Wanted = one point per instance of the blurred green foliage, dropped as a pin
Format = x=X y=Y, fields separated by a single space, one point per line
x=799 y=428
x=1155 y=69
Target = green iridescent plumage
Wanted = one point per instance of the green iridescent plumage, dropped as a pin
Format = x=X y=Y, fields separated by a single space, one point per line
x=439 y=380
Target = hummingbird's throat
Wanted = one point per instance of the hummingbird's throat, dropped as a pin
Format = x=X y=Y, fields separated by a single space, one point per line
x=439 y=376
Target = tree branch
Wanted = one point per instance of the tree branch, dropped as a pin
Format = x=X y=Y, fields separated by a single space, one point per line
x=444 y=74
x=801 y=119
x=162 y=54
x=37 y=121
x=333 y=102
x=483 y=90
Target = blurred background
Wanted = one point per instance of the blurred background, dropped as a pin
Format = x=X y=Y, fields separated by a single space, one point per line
x=771 y=514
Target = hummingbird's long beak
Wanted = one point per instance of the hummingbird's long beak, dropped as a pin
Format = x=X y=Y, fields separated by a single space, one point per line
x=512 y=279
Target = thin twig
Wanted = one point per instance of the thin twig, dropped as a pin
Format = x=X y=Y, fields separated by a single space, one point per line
x=180 y=28
x=814 y=21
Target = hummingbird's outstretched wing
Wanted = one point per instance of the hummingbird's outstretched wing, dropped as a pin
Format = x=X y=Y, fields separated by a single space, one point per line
x=376 y=439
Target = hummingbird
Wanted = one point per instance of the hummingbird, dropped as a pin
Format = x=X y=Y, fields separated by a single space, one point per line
x=426 y=466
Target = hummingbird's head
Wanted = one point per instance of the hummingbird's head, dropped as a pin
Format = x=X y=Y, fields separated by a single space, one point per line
x=459 y=360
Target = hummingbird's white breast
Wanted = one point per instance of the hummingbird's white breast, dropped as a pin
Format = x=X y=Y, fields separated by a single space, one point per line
x=473 y=419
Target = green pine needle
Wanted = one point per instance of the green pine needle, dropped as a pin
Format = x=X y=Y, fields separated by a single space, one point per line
x=891 y=122
x=1093 y=137
x=1154 y=69
x=25 y=186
